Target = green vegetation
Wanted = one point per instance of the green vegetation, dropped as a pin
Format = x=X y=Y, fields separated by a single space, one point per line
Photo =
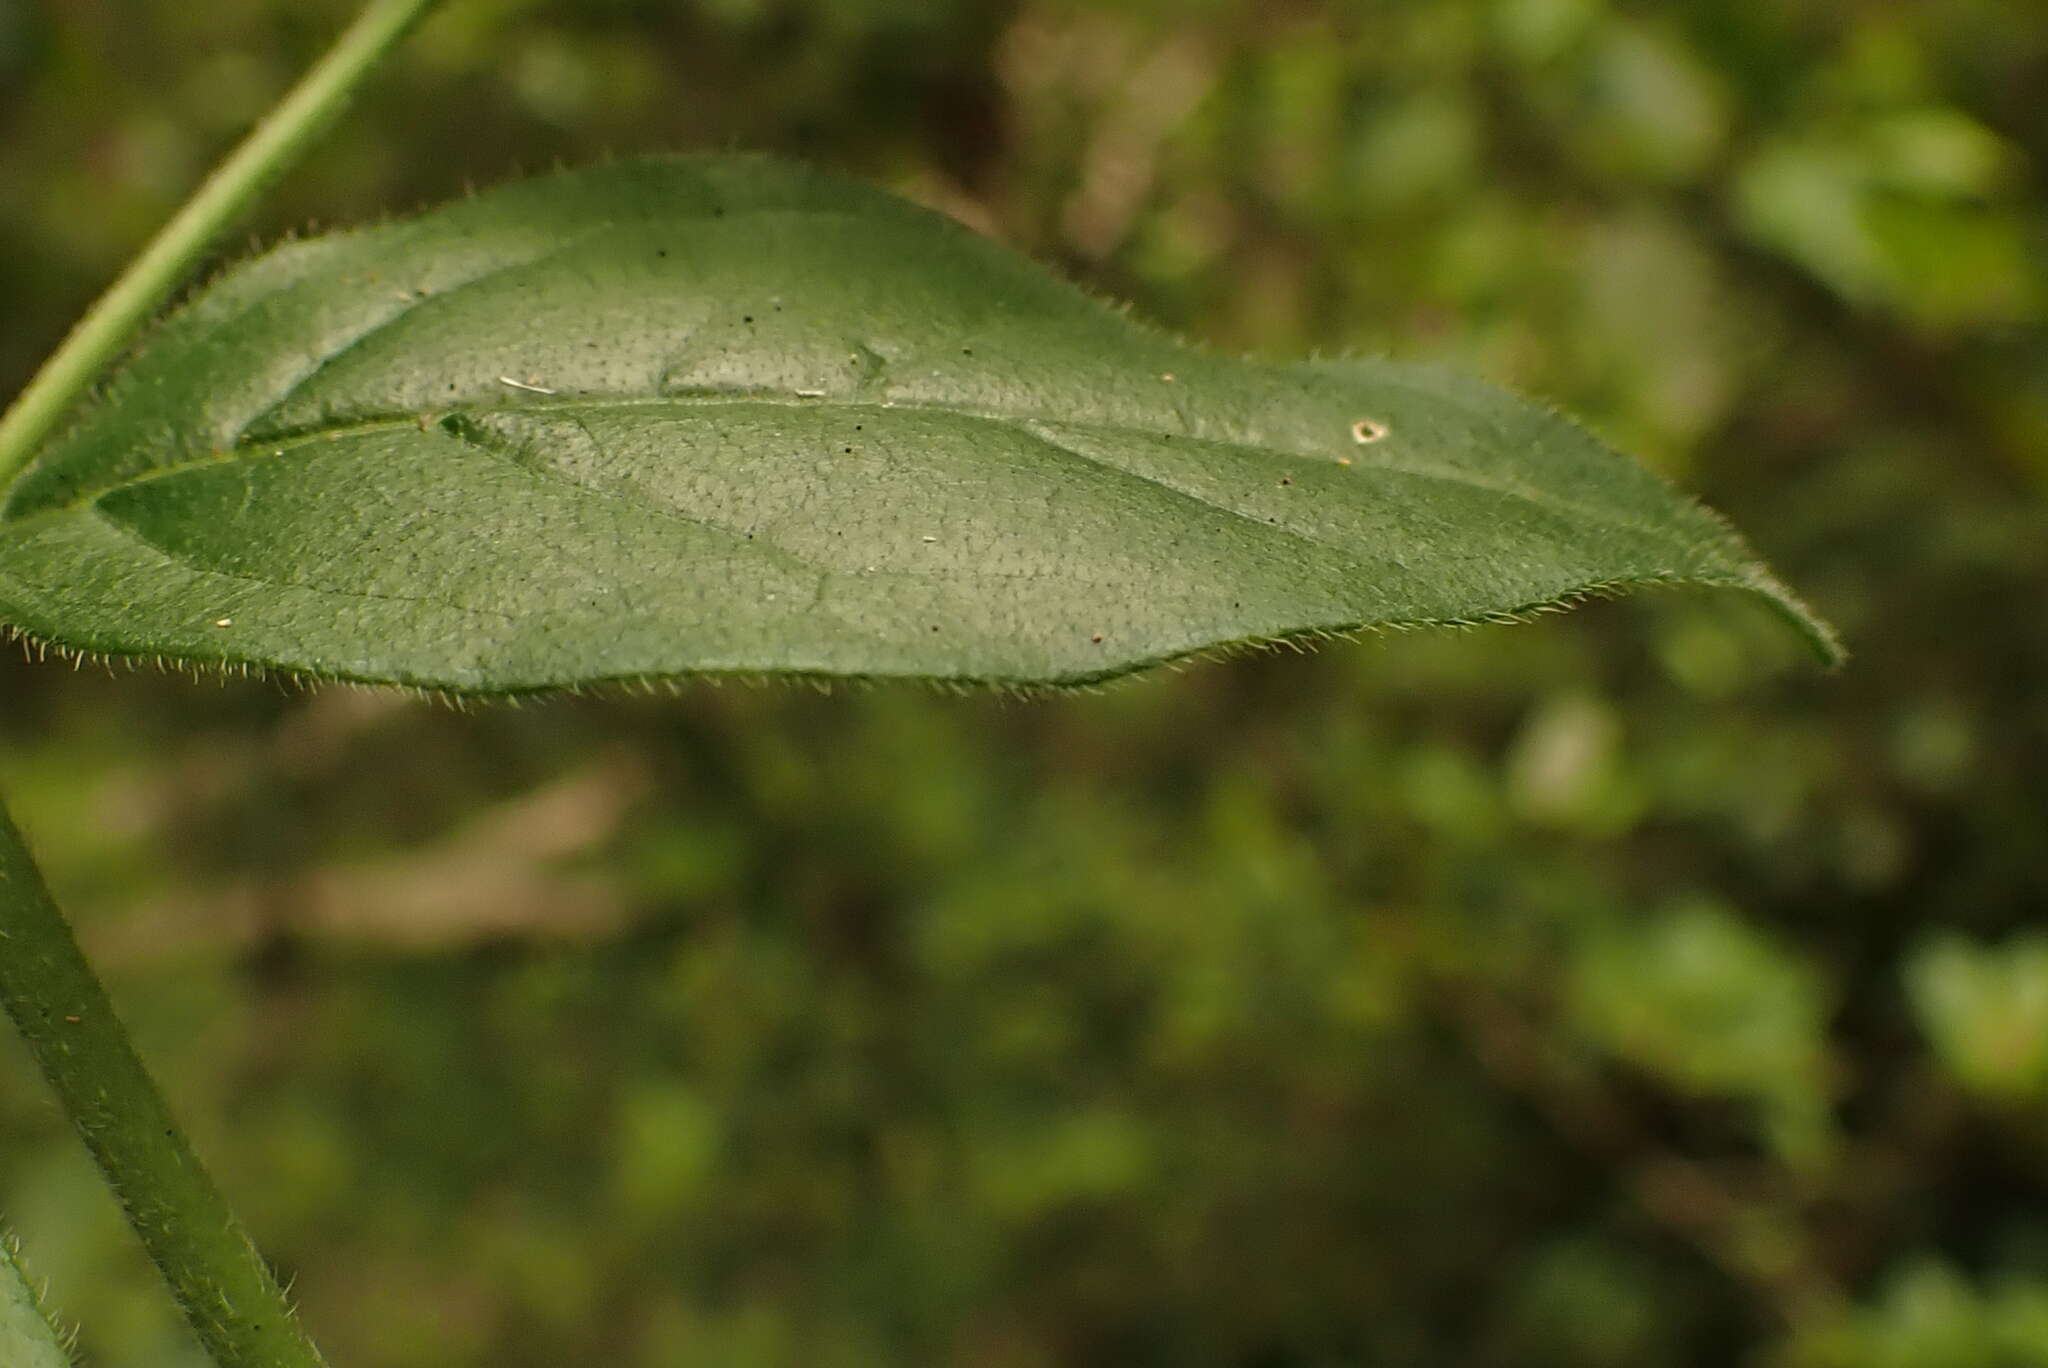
x=774 y=421
x=1598 y=992
x=27 y=1338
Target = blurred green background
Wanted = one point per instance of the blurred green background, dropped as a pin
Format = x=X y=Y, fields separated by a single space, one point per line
x=1613 y=990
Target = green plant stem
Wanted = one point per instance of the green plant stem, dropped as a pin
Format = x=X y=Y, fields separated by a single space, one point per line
x=227 y=1291
x=27 y=1337
x=270 y=148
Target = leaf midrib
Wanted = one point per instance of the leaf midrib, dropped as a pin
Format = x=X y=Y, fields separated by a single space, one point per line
x=272 y=447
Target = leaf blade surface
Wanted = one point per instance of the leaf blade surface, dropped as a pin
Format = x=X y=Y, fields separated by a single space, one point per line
x=722 y=415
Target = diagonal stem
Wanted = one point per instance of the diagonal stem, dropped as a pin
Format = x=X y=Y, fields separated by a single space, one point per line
x=226 y=1290
x=274 y=144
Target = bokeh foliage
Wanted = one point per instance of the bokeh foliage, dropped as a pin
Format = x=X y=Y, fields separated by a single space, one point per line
x=1612 y=990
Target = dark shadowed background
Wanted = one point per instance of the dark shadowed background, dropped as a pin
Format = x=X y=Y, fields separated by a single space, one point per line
x=1612 y=990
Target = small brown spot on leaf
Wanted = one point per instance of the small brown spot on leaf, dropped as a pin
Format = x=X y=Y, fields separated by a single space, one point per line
x=1367 y=431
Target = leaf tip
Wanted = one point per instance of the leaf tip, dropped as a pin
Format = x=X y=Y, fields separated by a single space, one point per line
x=1819 y=634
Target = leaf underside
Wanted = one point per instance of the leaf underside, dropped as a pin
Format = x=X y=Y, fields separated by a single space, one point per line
x=724 y=415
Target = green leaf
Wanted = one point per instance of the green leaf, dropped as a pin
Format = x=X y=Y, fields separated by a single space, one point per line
x=27 y=1337
x=726 y=415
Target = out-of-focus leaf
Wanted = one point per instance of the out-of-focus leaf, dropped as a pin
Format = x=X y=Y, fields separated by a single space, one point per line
x=1708 y=1005
x=725 y=415
x=1986 y=1011
x=1929 y=1316
x=1903 y=214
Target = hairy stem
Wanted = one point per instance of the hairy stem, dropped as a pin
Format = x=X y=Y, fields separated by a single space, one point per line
x=227 y=1291
x=270 y=148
